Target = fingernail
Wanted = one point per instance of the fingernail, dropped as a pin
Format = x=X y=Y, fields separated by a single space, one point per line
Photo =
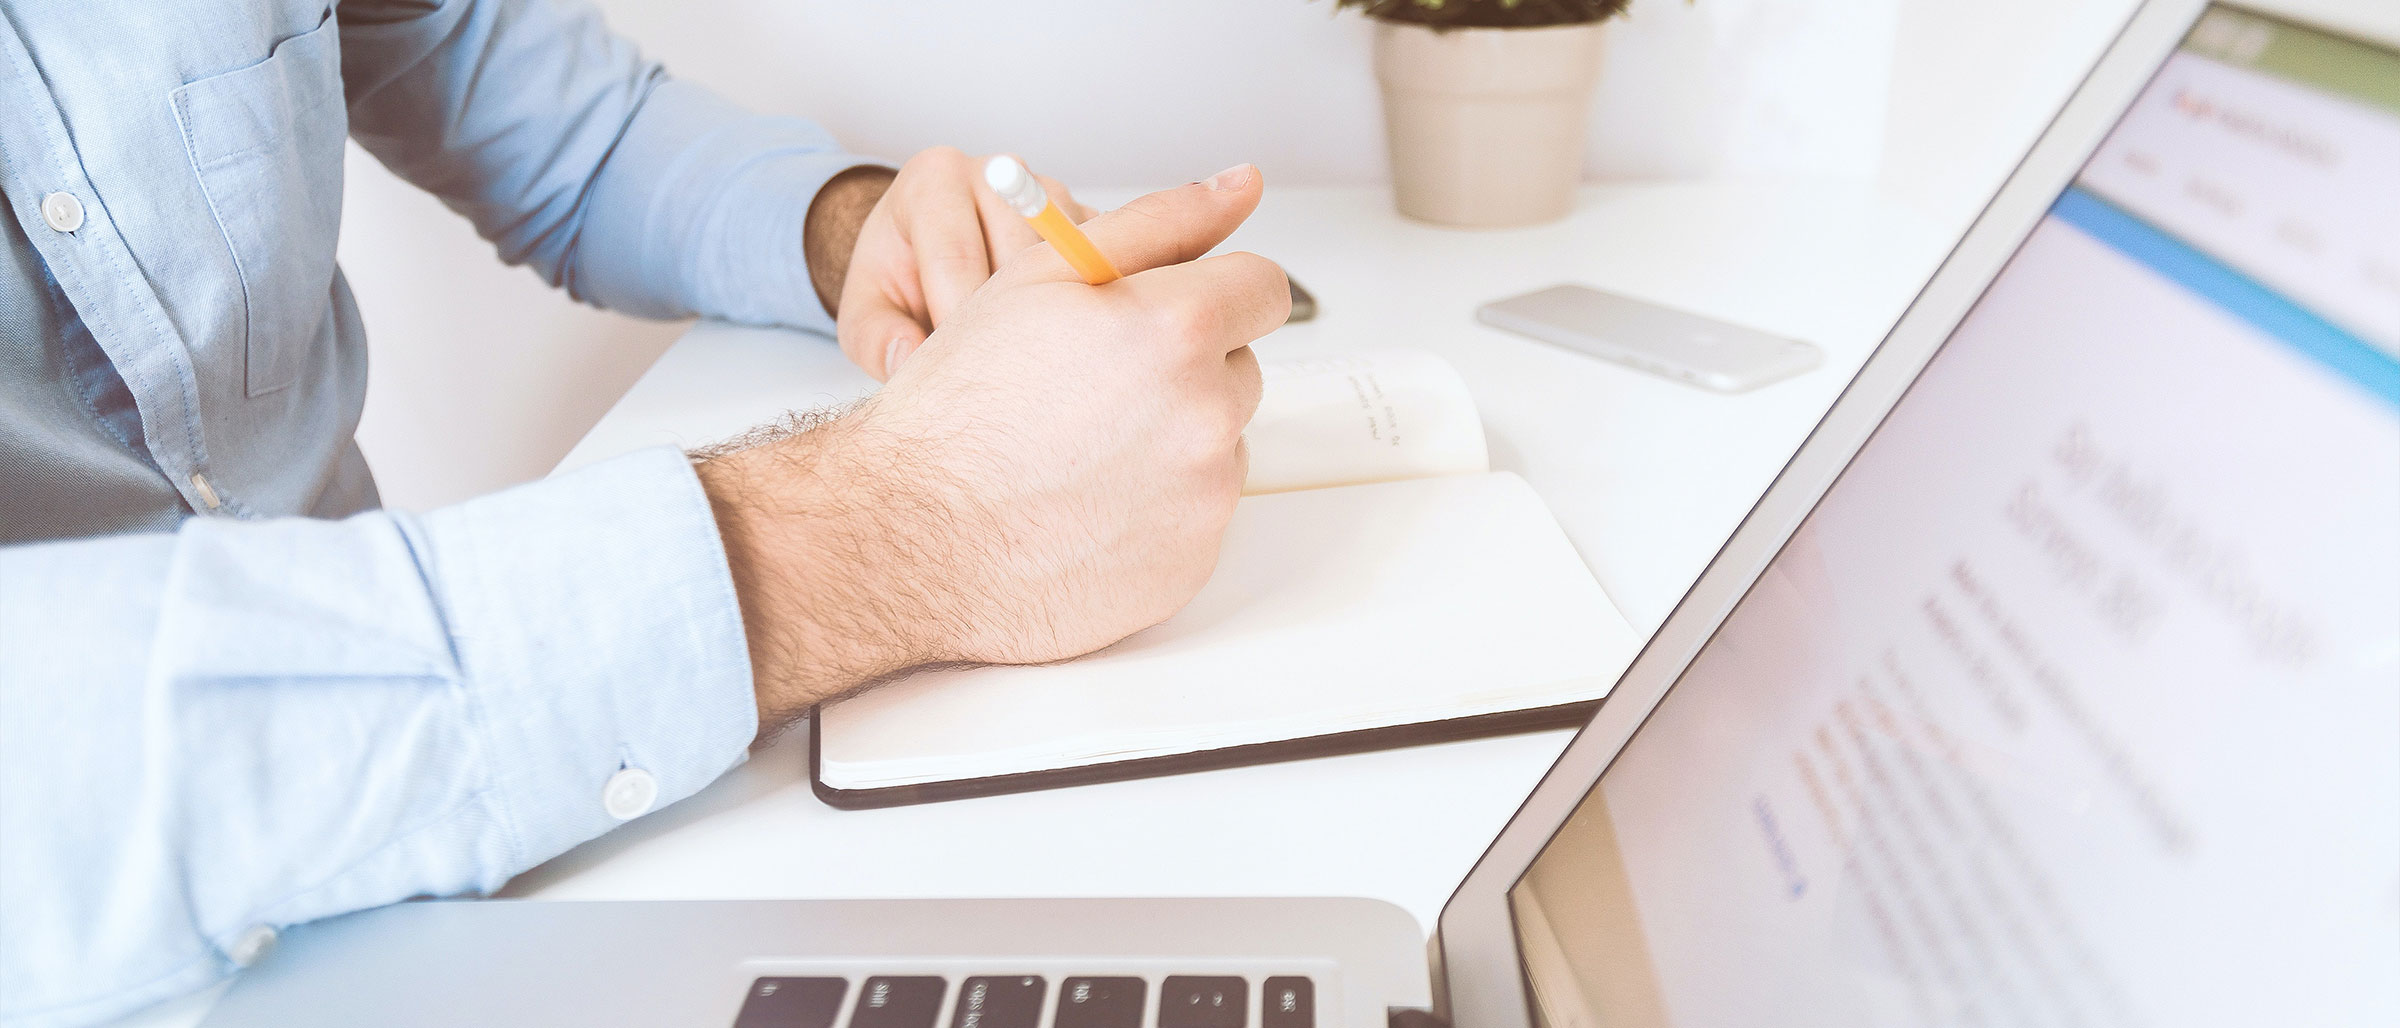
x=894 y=354
x=1231 y=178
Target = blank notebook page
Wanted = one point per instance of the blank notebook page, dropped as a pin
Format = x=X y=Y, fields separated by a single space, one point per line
x=1331 y=610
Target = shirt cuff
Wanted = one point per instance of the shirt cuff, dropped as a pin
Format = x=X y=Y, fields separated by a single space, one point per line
x=599 y=634
x=701 y=209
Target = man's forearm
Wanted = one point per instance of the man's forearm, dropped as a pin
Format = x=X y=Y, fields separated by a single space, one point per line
x=835 y=588
x=833 y=224
x=1023 y=496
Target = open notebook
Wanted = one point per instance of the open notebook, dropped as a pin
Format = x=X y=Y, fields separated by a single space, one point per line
x=1379 y=585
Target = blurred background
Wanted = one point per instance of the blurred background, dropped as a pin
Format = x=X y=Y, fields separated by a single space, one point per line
x=484 y=377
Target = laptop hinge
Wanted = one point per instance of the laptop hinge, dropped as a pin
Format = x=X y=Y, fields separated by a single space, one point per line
x=1411 y=1017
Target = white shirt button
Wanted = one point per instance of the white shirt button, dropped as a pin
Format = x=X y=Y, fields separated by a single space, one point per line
x=63 y=211
x=208 y=493
x=629 y=794
x=253 y=945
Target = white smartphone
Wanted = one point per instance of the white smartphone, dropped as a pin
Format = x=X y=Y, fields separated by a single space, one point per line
x=1660 y=340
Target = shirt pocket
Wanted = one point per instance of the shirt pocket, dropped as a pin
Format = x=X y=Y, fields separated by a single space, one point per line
x=266 y=141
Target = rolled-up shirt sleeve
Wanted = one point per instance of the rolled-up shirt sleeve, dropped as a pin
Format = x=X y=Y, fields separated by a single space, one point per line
x=240 y=726
x=581 y=158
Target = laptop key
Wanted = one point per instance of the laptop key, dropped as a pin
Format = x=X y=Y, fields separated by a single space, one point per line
x=792 y=1003
x=1192 y=1001
x=1000 y=1002
x=1288 y=1002
x=913 y=1001
x=1100 y=1003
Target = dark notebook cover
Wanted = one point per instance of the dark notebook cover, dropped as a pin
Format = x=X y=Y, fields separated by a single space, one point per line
x=1567 y=715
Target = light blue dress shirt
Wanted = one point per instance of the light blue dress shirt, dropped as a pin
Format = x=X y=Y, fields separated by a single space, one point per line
x=219 y=717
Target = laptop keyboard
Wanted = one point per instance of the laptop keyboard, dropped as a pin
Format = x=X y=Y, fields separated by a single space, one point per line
x=913 y=1001
x=1100 y=1003
x=1018 y=1001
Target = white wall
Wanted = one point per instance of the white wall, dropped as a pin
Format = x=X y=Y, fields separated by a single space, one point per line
x=483 y=378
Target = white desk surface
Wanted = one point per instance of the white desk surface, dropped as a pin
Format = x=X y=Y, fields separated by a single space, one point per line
x=1647 y=475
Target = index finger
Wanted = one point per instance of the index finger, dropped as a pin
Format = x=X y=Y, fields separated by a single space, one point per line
x=1171 y=226
x=945 y=235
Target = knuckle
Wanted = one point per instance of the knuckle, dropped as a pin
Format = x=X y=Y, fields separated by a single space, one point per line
x=1236 y=420
x=1244 y=408
x=1154 y=211
x=1191 y=319
x=1225 y=484
x=1246 y=370
x=1229 y=488
x=1217 y=438
x=1264 y=276
x=940 y=157
x=1197 y=571
x=955 y=257
x=1204 y=448
x=952 y=252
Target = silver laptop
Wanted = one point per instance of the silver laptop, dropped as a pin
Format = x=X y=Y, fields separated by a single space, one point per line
x=2055 y=682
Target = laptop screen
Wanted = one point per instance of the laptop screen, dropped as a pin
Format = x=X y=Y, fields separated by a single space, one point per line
x=2076 y=699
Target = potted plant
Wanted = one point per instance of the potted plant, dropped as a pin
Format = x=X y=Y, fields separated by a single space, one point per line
x=1484 y=104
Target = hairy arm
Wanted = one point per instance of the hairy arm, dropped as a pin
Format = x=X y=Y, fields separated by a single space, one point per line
x=834 y=220
x=241 y=726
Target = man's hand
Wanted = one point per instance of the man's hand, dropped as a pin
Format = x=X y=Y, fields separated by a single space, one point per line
x=1051 y=472
x=892 y=272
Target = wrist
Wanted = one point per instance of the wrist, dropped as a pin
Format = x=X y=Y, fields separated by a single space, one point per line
x=820 y=572
x=830 y=233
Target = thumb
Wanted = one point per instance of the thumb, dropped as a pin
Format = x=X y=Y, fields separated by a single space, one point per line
x=877 y=336
x=1171 y=226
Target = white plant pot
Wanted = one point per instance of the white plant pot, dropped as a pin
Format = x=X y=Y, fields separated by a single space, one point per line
x=1486 y=125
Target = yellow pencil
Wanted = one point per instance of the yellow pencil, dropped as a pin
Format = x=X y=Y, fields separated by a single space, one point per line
x=1017 y=188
